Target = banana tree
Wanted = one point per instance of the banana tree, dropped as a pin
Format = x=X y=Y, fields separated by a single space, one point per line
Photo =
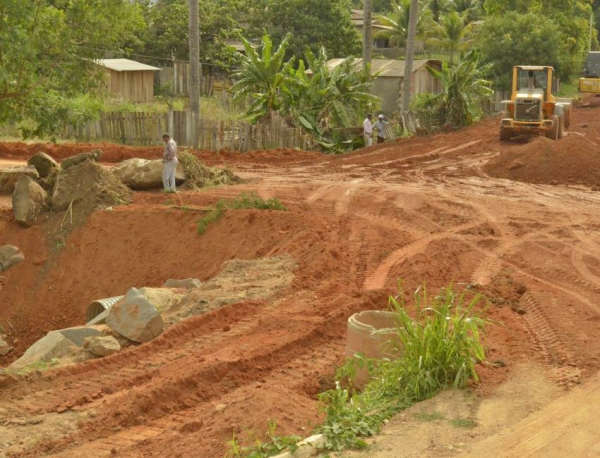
x=463 y=88
x=263 y=77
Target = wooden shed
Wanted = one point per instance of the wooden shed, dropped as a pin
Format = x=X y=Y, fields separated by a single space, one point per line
x=131 y=80
x=390 y=72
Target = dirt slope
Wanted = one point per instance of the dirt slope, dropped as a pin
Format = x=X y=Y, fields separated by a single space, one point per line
x=419 y=209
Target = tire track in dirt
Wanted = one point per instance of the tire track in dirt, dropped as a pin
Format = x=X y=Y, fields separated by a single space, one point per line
x=551 y=347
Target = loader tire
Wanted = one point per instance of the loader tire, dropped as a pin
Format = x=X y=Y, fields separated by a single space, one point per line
x=552 y=134
x=505 y=134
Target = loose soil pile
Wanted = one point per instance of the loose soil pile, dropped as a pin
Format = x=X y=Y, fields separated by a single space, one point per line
x=573 y=160
x=85 y=187
x=199 y=176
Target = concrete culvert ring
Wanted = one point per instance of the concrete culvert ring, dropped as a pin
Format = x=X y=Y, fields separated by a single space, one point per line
x=99 y=306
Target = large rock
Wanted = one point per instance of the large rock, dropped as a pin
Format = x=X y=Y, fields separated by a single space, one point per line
x=159 y=297
x=55 y=344
x=135 y=317
x=10 y=256
x=145 y=174
x=44 y=164
x=102 y=346
x=28 y=200
x=10 y=176
x=187 y=283
x=4 y=347
x=93 y=155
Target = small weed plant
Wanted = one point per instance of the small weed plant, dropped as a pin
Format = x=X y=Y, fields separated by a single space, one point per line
x=259 y=449
x=439 y=343
x=243 y=201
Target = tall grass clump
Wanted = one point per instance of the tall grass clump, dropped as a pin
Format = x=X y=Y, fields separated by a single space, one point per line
x=243 y=201
x=439 y=340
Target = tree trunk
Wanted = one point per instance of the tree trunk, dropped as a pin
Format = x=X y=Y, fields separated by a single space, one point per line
x=194 y=45
x=406 y=82
x=367 y=34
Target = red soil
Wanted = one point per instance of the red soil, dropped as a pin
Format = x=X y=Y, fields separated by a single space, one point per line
x=417 y=210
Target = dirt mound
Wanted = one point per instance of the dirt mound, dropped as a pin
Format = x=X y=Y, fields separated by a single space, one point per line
x=88 y=186
x=573 y=160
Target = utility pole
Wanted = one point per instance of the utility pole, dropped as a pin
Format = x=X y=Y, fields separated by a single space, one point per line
x=405 y=87
x=367 y=34
x=194 y=45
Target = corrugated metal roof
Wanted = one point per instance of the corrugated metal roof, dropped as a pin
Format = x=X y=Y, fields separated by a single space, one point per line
x=124 y=65
x=390 y=68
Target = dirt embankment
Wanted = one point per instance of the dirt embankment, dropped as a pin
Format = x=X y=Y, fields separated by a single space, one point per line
x=116 y=153
x=574 y=160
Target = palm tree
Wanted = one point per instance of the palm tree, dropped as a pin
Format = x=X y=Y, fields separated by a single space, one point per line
x=367 y=36
x=194 y=45
x=472 y=9
x=438 y=7
x=453 y=33
x=263 y=77
x=405 y=84
x=463 y=87
x=399 y=20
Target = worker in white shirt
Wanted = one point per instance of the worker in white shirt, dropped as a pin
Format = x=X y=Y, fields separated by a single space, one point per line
x=368 y=130
x=380 y=128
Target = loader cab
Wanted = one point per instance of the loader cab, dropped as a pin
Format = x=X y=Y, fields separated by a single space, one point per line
x=531 y=81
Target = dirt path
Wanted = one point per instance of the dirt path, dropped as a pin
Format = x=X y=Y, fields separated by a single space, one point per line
x=418 y=210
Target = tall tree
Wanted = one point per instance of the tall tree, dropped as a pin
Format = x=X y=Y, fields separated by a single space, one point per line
x=519 y=39
x=194 y=31
x=410 y=55
x=315 y=24
x=367 y=35
x=47 y=52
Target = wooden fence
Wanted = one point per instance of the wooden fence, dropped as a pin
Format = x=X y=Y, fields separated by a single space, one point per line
x=146 y=129
x=178 y=76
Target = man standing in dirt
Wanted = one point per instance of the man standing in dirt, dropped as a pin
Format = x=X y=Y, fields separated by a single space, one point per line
x=380 y=127
x=368 y=130
x=169 y=164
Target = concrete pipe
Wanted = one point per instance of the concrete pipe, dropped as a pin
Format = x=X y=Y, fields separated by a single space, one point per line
x=99 y=306
x=371 y=333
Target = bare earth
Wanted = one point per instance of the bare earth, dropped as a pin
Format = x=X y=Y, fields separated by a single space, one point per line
x=424 y=209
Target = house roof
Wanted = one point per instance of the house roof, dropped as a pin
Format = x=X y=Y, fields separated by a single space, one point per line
x=358 y=19
x=389 y=68
x=124 y=65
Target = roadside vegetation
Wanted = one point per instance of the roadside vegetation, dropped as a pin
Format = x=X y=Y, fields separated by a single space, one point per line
x=439 y=340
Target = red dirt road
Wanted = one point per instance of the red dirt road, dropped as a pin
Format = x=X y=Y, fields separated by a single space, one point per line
x=424 y=209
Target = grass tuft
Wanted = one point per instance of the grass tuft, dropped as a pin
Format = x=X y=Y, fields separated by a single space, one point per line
x=243 y=201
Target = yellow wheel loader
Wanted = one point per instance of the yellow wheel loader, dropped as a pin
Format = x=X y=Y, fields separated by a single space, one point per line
x=533 y=109
x=590 y=83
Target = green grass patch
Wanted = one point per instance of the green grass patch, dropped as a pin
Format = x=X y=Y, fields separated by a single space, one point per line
x=466 y=423
x=570 y=89
x=243 y=201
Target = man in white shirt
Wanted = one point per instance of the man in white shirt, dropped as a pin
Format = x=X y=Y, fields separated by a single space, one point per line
x=169 y=164
x=368 y=130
